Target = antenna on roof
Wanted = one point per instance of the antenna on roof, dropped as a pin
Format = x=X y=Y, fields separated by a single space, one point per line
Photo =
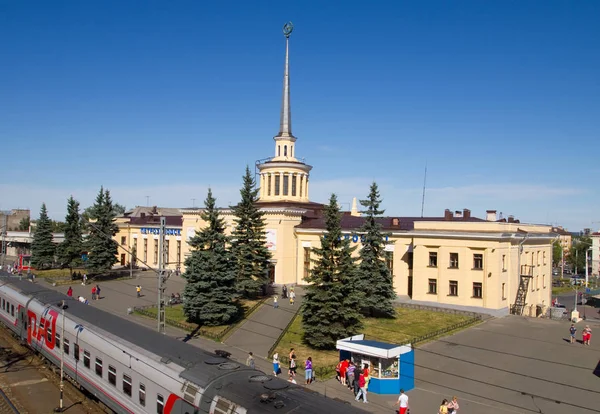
x=424 y=184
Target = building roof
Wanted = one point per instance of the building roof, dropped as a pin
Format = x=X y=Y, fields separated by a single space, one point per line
x=358 y=344
x=350 y=222
x=150 y=216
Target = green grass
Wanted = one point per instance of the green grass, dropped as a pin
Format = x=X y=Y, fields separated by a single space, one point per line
x=561 y=290
x=56 y=273
x=408 y=324
x=175 y=314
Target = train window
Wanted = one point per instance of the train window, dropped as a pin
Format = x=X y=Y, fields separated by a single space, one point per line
x=160 y=404
x=49 y=334
x=3 y=304
x=76 y=352
x=127 y=384
x=112 y=375
x=98 y=367
x=86 y=359
x=142 y=395
x=222 y=406
x=65 y=346
x=12 y=310
x=57 y=339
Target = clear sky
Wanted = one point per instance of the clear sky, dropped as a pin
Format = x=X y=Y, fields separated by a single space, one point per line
x=501 y=100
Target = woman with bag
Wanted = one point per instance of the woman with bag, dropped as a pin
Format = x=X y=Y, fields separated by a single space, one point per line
x=453 y=405
x=443 y=407
x=308 y=370
x=276 y=369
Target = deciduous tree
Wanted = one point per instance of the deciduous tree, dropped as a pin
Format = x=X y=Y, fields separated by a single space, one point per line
x=331 y=304
x=248 y=245
x=375 y=279
x=42 y=245
x=209 y=297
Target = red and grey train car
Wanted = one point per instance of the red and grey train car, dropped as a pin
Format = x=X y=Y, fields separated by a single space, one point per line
x=133 y=369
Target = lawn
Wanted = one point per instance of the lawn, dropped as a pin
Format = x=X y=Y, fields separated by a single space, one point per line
x=409 y=323
x=174 y=316
x=57 y=273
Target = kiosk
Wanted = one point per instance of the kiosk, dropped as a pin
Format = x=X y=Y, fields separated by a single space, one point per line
x=392 y=367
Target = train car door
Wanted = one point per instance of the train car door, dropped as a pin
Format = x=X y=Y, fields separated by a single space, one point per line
x=22 y=323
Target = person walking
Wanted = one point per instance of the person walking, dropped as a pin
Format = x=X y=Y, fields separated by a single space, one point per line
x=453 y=405
x=70 y=292
x=98 y=292
x=350 y=378
x=572 y=332
x=586 y=335
x=308 y=369
x=93 y=292
x=362 y=388
x=276 y=368
x=284 y=291
x=250 y=360
x=443 y=407
x=275 y=302
x=292 y=297
x=84 y=280
x=403 y=403
x=138 y=290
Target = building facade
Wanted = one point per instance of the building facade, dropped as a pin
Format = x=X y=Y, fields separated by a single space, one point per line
x=452 y=260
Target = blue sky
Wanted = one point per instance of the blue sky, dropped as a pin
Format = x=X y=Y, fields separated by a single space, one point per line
x=163 y=99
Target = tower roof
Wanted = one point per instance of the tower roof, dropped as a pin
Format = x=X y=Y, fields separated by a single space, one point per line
x=285 y=121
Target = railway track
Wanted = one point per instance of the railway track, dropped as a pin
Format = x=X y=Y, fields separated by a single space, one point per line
x=6 y=405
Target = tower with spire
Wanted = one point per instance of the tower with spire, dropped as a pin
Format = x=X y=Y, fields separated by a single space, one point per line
x=284 y=177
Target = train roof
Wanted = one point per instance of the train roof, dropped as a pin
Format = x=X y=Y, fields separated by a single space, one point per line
x=201 y=367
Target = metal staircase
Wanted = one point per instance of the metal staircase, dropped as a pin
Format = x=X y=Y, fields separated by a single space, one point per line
x=525 y=277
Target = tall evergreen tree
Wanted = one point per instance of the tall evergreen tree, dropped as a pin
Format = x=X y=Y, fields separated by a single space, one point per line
x=70 y=249
x=330 y=310
x=248 y=243
x=209 y=296
x=101 y=246
x=375 y=279
x=42 y=246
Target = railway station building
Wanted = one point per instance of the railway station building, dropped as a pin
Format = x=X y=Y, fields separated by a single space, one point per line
x=455 y=260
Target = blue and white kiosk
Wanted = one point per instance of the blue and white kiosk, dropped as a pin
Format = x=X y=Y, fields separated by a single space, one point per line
x=391 y=367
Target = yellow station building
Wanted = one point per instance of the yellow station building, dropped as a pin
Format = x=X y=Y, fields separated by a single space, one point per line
x=455 y=260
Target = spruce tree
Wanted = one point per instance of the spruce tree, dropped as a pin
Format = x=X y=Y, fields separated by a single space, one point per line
x=248 y=245
x=71 y=248
x=101 y=246
x=209 y=296
x=375 y=279
x=42 y=245
x=331 y=303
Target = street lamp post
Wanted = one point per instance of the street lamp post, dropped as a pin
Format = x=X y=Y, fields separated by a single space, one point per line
x=586 y=266
x=61 y=408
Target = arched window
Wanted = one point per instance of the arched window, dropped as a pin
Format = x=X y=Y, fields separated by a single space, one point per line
x=285 y=150
x=291 y=150
x=279 y=150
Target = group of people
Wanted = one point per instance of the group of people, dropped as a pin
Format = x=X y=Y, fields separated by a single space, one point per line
x=355 y=377
x=309 y=376
x=95 y=294
x=449 y=407
x=586 y=334
x=285 y=294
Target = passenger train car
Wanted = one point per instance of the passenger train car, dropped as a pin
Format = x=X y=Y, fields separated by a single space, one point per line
x=133 y=369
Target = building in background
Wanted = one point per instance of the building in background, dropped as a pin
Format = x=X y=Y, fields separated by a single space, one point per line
x=595 y=254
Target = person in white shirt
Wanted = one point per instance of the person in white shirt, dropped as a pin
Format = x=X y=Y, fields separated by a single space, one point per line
x=403 y=402
x=291 y=379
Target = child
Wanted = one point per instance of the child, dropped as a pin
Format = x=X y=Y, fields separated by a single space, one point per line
x=572 y=331
x=275 y=302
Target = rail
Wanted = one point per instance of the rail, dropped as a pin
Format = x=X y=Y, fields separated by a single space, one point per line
x=6 y=405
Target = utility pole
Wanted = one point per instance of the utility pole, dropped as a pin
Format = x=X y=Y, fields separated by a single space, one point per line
x=562 y=264
x=61 y=408
x=4 y=229
x=161 y=272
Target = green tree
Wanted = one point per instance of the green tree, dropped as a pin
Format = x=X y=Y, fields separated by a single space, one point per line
x=248 y=245
x=42 y=245
x=101 y=246
x=24 y=224
x=577 y=253
x=375 y=279
x=209 y=296
x=557 y=253
x=330 y=309
x=118 y=209
x=70 y=249
x=58 y=226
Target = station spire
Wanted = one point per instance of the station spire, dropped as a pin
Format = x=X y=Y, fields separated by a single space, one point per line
x=285 y=122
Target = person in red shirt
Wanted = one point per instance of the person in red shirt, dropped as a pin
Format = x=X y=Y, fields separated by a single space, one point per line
x=343 y=369
x=337 y=371
x=363 y=388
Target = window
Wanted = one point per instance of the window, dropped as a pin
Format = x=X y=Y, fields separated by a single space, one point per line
x=277 y=183
x=537 y=286
x=98 y=367
x=291 y=150
x=503 y=291
x=127 y=384
x=286 y=182
x=389 y=262
x=57 y=341
x=160 y=404
x=478 y=261
x=285 y=150
x=279 y=150
x=49 y=334
x=538 y=258
x=142 y=395
x=178 y=253
x=432 y=259
x=86 y=359
x=76 y=352
x=477 y=290
x=3 y=304
x=166 y=252
x=504 y=263
x=544 y=257
x=432 y=287
x=453 y=288
x=544 y=281
x=454 y=260
x=269 y=184
x=123 y=240
x=155 y=251
x=145 y=250
x=306 y=262
x=65 y=346
x=301 y=184
x=294 y=178
x=12 y=310
x=112 y=375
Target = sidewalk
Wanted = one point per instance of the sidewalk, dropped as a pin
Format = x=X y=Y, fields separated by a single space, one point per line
x=262 y=329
